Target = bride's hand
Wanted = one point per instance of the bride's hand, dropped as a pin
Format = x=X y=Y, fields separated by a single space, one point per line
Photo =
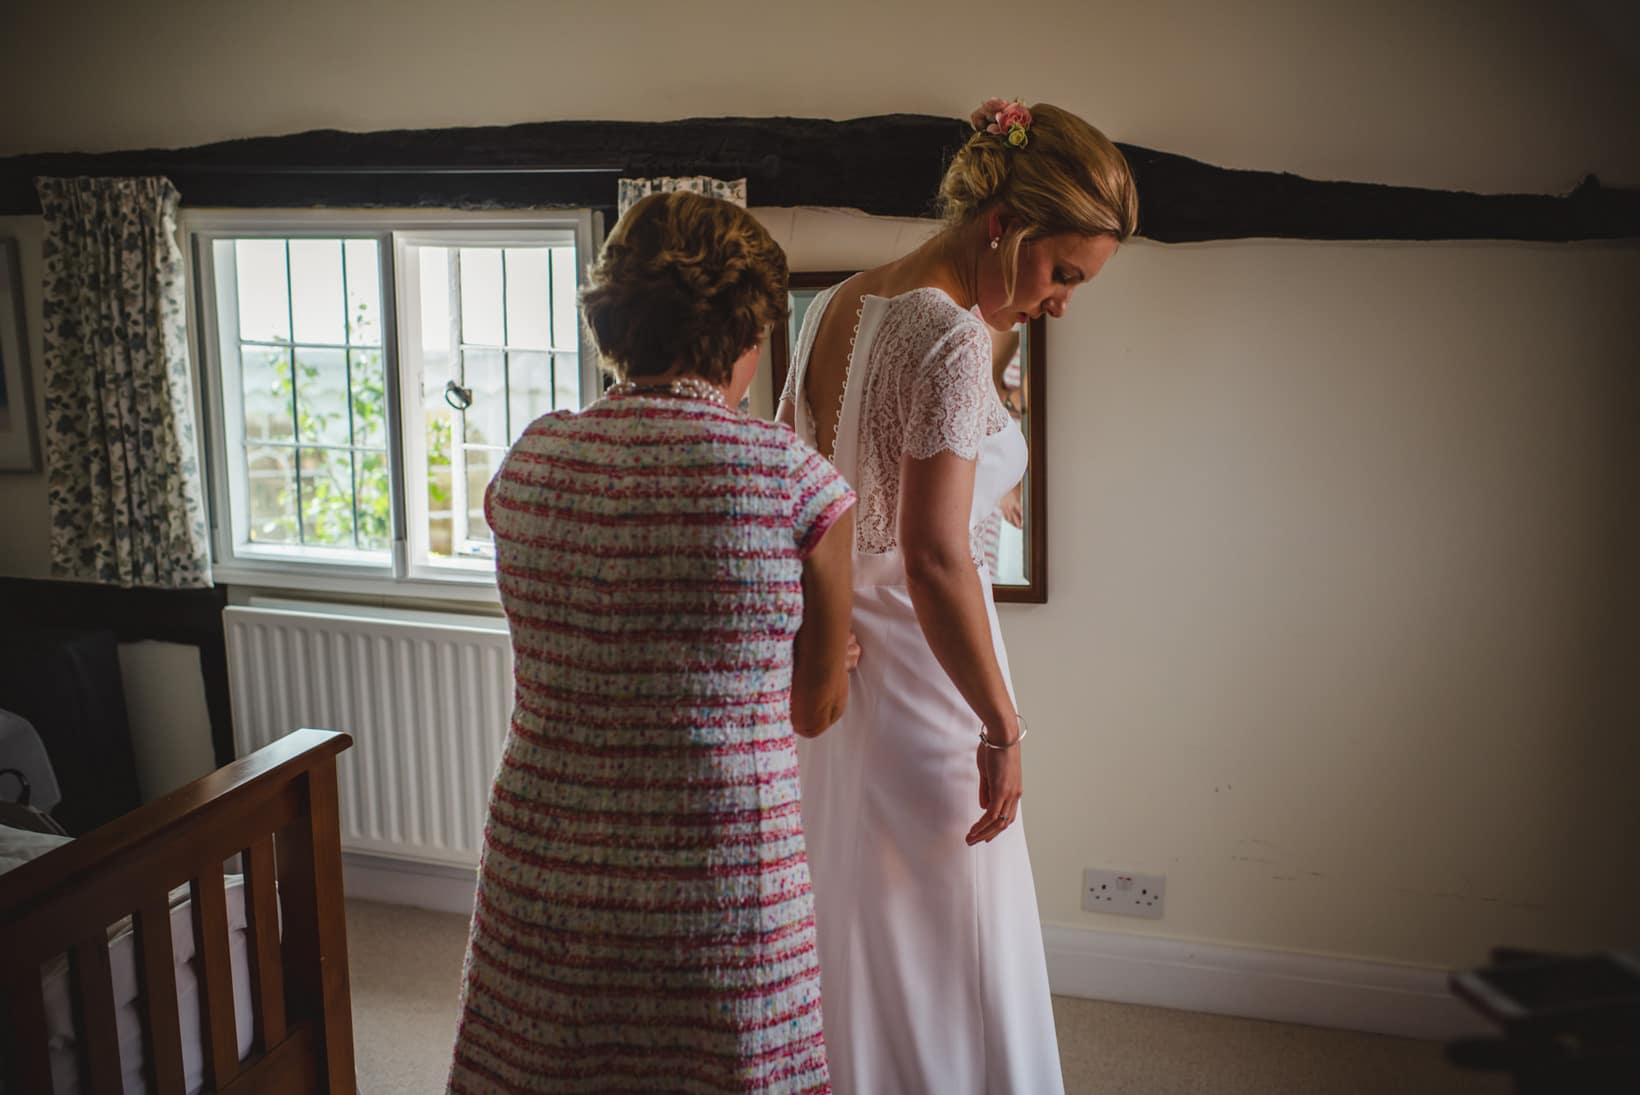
x=1001 y=785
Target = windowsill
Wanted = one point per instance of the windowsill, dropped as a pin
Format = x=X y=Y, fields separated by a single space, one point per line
x=474 y=589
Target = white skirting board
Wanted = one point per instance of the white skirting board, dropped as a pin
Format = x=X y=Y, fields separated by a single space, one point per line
x=1246 y=982
x=1250 y=983
x=434 y=886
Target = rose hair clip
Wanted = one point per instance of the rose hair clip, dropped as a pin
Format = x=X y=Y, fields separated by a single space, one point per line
x=1009 y=119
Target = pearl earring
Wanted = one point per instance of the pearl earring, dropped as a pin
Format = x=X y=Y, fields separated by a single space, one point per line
x=995 y=243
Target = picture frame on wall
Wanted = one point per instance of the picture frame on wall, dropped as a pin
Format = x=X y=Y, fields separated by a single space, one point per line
x=19 y=441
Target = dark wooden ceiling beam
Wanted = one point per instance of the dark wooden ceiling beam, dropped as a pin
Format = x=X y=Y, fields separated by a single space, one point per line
x=888 y=165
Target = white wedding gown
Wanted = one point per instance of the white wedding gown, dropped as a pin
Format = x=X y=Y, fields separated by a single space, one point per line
x=932 y=972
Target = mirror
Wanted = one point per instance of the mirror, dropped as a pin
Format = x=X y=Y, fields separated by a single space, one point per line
x=1016 y=536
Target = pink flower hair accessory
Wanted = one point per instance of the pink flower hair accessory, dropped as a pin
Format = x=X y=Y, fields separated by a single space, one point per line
x=1009 y=119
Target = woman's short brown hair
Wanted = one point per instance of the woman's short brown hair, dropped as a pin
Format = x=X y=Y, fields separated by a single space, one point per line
x=684 y=282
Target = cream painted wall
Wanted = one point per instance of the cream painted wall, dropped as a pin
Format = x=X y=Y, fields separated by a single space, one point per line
x=1500 y=95
x=1343 y=619
x=1341 y=634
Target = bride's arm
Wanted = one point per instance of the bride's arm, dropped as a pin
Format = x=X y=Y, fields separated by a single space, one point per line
x=935 y=497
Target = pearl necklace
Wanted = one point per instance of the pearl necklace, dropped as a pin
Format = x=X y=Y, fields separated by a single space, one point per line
x=689 y=387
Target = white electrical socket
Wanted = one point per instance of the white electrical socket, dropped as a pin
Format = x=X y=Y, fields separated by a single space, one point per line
x=1123 y=893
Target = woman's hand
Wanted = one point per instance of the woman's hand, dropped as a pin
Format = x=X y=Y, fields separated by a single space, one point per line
x=851 y=653
x=1001 y=785
x=1013 y=506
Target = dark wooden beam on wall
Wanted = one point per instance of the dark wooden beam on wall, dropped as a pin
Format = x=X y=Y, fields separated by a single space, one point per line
x=888 y=165
x=1183 y=200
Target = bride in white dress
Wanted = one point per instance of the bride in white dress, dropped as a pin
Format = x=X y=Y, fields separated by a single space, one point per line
x=931 y=960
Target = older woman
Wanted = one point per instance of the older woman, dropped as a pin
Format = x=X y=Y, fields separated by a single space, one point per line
x=676 y=576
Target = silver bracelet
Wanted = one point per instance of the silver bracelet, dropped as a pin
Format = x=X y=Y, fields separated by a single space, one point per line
x=1023 y=730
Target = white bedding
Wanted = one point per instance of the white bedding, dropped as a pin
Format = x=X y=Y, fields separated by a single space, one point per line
x=18 y=847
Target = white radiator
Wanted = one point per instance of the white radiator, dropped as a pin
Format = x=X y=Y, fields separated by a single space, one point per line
x=426 y=697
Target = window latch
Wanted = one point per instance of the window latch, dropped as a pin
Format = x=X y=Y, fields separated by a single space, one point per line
x=458 y=397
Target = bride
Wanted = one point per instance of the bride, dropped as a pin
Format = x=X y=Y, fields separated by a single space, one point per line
x=931 y=957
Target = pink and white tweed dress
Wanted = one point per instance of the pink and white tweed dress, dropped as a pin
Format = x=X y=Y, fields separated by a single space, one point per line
x=644 y=919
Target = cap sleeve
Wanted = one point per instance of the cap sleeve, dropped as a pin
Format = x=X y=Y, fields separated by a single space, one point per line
x=948 y=404
x=820 y=495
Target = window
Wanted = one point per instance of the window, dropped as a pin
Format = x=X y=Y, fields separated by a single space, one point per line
x=366 y=374
x=495 y=347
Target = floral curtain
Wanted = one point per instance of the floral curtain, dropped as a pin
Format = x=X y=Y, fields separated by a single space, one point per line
x=730 y=190
x=127 y=504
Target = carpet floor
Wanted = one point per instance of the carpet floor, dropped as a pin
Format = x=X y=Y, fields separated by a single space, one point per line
x=405 y=966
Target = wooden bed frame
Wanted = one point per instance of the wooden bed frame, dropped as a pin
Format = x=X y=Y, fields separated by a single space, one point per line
x=277 y=807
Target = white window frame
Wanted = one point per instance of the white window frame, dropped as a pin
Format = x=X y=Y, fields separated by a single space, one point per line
x=410 y=399
x=341 y=571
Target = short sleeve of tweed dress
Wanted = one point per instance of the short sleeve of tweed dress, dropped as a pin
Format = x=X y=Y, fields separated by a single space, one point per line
x=819 y=497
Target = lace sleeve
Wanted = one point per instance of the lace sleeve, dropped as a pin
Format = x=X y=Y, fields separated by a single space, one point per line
x=949 y=399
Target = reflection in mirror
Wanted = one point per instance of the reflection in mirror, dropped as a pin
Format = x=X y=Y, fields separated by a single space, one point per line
x=1015 y=536
x=1003 y=532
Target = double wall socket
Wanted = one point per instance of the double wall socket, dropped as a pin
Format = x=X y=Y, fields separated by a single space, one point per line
x=1123 y=893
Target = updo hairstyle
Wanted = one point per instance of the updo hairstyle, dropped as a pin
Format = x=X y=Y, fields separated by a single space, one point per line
x=1069 y=177
x=684 y=282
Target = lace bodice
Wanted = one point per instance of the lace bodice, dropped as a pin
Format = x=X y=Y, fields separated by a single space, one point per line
x=925 y=389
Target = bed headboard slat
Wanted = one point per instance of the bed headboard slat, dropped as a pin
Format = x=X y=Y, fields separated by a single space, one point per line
x=262 y=928
x=23 y=1032
x=94 y=1005
x=310 y=878
x=161 y=1027
x=216 y=1006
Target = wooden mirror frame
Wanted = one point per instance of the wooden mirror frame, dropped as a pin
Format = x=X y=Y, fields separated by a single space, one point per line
x=1035 y=588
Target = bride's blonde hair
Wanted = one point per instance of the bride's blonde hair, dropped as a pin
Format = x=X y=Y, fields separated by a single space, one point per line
x=1069 y=177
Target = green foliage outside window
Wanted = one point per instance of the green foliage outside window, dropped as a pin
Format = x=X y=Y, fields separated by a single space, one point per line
x=336 y=484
